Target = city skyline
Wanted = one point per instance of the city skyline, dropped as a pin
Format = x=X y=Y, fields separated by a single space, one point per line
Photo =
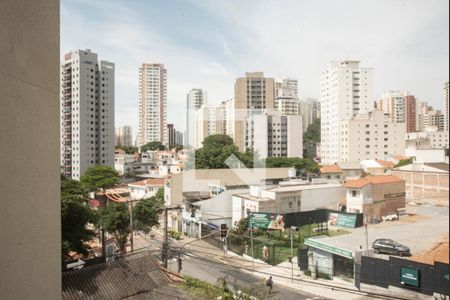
x=208 y=45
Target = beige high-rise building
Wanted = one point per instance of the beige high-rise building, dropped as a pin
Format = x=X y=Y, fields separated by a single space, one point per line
x=371 y=136
x=152 y=104
x=432 y=120
x=87 y=113
x=253 y=94
x=124 y=136
x=400 y=107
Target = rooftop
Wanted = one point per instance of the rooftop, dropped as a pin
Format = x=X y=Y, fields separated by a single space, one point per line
x=327 y=169
x=385 y=163
x=151 y=181
x=380 y=179
x=300 y=187
x=124 y=278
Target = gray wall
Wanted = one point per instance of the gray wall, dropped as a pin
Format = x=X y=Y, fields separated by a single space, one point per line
x=30 y=251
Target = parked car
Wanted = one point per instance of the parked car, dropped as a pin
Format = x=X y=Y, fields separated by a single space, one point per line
x=389 y=246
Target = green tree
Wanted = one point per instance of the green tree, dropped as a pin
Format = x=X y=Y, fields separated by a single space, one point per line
x=76 y=215
x=128 y=149
x=404 y=162
x=115 y=219
x=302 y=165
x=99 y=178
x=242 y=226
x=215 y=151
x=313 y=132
x=146 y=212
x=152 y=146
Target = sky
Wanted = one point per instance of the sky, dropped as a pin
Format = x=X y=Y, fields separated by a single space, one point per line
x=208 y=44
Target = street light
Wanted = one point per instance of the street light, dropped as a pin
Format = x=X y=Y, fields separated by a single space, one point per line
x=295 y=228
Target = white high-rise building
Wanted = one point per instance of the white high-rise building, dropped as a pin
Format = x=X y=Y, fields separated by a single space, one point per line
x=275 y=135
x=309 y=109
x=87 y=113
x=194 y=100
x=153 y=104
x=346 y=91
x=446 y=117
x=290 y=83
x=124 y=136
x=371 y=136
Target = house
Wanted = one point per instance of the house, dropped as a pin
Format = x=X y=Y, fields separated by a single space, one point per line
x=145 y=188
x=287 y=197
x=375 y=196
x=374 y=167
x=137 y=276
x=332 y=172
x=351 y=170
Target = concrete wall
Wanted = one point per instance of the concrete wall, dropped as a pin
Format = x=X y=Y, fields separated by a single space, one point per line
x=30 y=255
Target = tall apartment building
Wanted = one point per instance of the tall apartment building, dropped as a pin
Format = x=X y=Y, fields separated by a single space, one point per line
x=400 y=107
x=275 y=135
x=290 y=83
x=124 y=136
x=446 y=118
x=253 y=94
x=152 y=104
x=87 y=112
x=171 y=135
x=432 y=119
x=194 y=100
x=371 y=136
x=428 y=139
x=178 y=138
x=346 y=91
x=286 y=101
x=205 y=124
x=309 y=109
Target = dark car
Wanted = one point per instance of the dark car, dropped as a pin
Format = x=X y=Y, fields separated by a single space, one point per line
x=389 y=246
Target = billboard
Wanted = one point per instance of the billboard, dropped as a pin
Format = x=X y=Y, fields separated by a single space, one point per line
x=266 y=221
x=341 y=220
x=409 y=276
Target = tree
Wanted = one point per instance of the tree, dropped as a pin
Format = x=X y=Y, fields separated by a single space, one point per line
x=115 y=219
x=146 y=212
x=303 y=165
x=313 y=132
x=99 y=178
x=128 y=149
x=215 y=151
x=404 y=162
x=178 y=147
x=242 y=226
x=152 y=146
x=75 y=217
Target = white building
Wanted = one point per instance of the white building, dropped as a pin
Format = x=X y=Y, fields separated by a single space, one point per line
x=145 y=188
x=152 y=104
x=370 y=136
x=430 y=139
x=290 y=83
x=124 y=163
x=446 y=86
x=275 y=135
x=346 y=91
x=124 y=136
x=87 y=112
x=195 y=99
x=205 y=124
x=431 y=120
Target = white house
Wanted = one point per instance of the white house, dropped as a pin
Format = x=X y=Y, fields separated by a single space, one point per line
x=145 y=188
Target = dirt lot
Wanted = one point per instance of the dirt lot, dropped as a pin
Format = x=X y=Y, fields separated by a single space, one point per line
x=439 y=252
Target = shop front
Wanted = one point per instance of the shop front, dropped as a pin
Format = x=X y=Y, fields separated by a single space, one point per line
x=327 y=261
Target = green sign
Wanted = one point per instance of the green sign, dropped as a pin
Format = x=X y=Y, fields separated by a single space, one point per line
x=410 y=276
x=344 y=220
x=266 y=221
x=325 y=247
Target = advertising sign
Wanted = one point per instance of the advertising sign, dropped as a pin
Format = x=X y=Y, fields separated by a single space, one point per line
x=267 y=221
x=341 y=220
x=328 y=248
x=409 y=276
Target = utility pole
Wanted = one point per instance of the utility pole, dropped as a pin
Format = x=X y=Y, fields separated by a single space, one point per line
x=165 y=246
x=367 y=234
x=131 y=225
x=251 y=241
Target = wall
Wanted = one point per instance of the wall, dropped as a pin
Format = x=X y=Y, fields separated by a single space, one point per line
x=30 y=255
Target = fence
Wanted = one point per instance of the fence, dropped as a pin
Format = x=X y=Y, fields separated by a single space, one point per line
x=317 y=216
x=384 y=273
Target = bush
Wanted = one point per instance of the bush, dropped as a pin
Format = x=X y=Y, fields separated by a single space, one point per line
x=307 y=272
x=174 y=234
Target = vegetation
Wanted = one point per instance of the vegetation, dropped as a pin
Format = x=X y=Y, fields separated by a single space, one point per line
x=313 y=132
x=75 y=217
x=152 y=146
x=404 y=162
x=199 y=289
x=218 y=148
x=99 y=178
x=115 y=218
x=128 y=149
x=174 y=234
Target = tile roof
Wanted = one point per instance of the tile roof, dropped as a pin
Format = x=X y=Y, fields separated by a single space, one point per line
x=123 y=278
x=385 y=163
x=151 y=181
x=330 y=169
x=380 y=179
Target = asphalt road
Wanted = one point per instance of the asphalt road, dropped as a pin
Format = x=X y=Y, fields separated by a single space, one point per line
x=208 y=270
